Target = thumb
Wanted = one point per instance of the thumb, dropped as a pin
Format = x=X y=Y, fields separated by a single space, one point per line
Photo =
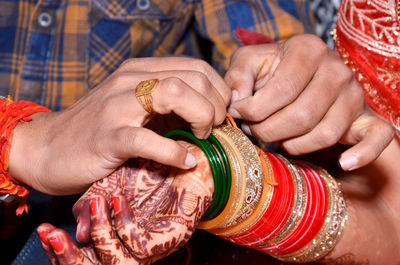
x=133 y=142
x=370 y=135
x=249 y=64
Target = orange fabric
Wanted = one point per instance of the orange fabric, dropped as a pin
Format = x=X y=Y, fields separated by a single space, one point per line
x=13 y=113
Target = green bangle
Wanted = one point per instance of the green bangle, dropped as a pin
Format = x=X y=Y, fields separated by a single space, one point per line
x=227 y=167
x=213 y=211
x=221 y=192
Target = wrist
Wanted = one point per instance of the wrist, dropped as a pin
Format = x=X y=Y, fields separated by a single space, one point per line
x=27 y=145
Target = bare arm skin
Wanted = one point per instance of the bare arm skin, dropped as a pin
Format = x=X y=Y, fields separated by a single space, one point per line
x=372 y=235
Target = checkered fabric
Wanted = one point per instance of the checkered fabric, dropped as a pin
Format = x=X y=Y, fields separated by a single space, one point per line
x=53 y=51
x=325 y=13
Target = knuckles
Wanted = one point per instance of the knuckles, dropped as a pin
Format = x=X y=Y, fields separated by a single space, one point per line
x=327 y=136
x=310 y=44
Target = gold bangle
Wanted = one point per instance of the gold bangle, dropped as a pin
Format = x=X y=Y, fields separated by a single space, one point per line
x=332 y=228
x=262 y=206
x=253 y=174
x=250 y=173
x=237 y=191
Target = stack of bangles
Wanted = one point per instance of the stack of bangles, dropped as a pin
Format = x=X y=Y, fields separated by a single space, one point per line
x=292 y=210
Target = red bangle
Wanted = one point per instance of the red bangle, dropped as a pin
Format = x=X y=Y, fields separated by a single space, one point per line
x=313 y=218
x=278 y=211
x=12 y=114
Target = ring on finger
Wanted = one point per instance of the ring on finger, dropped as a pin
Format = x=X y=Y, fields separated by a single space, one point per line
x=144 y=93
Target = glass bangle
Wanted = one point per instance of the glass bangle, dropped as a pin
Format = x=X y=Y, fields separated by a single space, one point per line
x=216 y=169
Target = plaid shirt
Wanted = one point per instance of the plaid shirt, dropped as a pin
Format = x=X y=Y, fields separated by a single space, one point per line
x=53 y=51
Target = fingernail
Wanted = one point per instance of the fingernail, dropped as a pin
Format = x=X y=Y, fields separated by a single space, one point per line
x=246 y=129
x=235 y=96
x=94 y=206
x=116 y=203
x=234 y=113
x=348 y=162
x=43 y=236
x=56 y=243
x=190 y=160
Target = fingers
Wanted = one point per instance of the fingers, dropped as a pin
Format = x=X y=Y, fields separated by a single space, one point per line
x=197 y=101
x=142 y=142
x=331 y=128
x=296 y=68
x=312 y=122
x=200 y=83
x=246 y=65
x=180 y=64
x=59 y=247
x=108 y=247
x=135 y=237
x=43 y=230
x=371 y=136
x=175 y=95
x=82 y=217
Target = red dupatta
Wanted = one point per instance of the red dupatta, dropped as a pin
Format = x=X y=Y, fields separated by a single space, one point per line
x=368 y=40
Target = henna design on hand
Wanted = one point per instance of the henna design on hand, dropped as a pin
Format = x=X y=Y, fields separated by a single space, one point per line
x=163 y=205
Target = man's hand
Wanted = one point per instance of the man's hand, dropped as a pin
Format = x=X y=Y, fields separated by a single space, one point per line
x=299 y=92
x=63 y=153
x=155 y=212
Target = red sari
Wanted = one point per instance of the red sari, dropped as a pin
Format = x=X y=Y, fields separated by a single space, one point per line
x=368 y=40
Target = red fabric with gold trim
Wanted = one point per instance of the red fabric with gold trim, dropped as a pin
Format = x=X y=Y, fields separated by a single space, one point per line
x=368 y=40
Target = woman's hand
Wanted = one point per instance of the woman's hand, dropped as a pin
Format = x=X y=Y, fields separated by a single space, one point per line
x=105 y=128
x=300 y=93
x=155 y=212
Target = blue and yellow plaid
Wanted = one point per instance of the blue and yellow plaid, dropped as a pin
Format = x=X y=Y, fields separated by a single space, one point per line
x=82 y=42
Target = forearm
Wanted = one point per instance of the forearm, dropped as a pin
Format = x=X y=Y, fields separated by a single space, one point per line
x=372 y=234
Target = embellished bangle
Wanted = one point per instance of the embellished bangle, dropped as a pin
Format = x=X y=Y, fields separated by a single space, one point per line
x=249 y=167
x=275 y=214
x=299 y=220
x=253 y=173
x=269 y=185
x=12 y=114
x=333 y=225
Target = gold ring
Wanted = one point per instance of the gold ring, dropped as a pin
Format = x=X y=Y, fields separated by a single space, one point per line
x=144 y=93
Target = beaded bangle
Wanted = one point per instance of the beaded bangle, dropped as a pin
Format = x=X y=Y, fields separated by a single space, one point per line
x=12 y=114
